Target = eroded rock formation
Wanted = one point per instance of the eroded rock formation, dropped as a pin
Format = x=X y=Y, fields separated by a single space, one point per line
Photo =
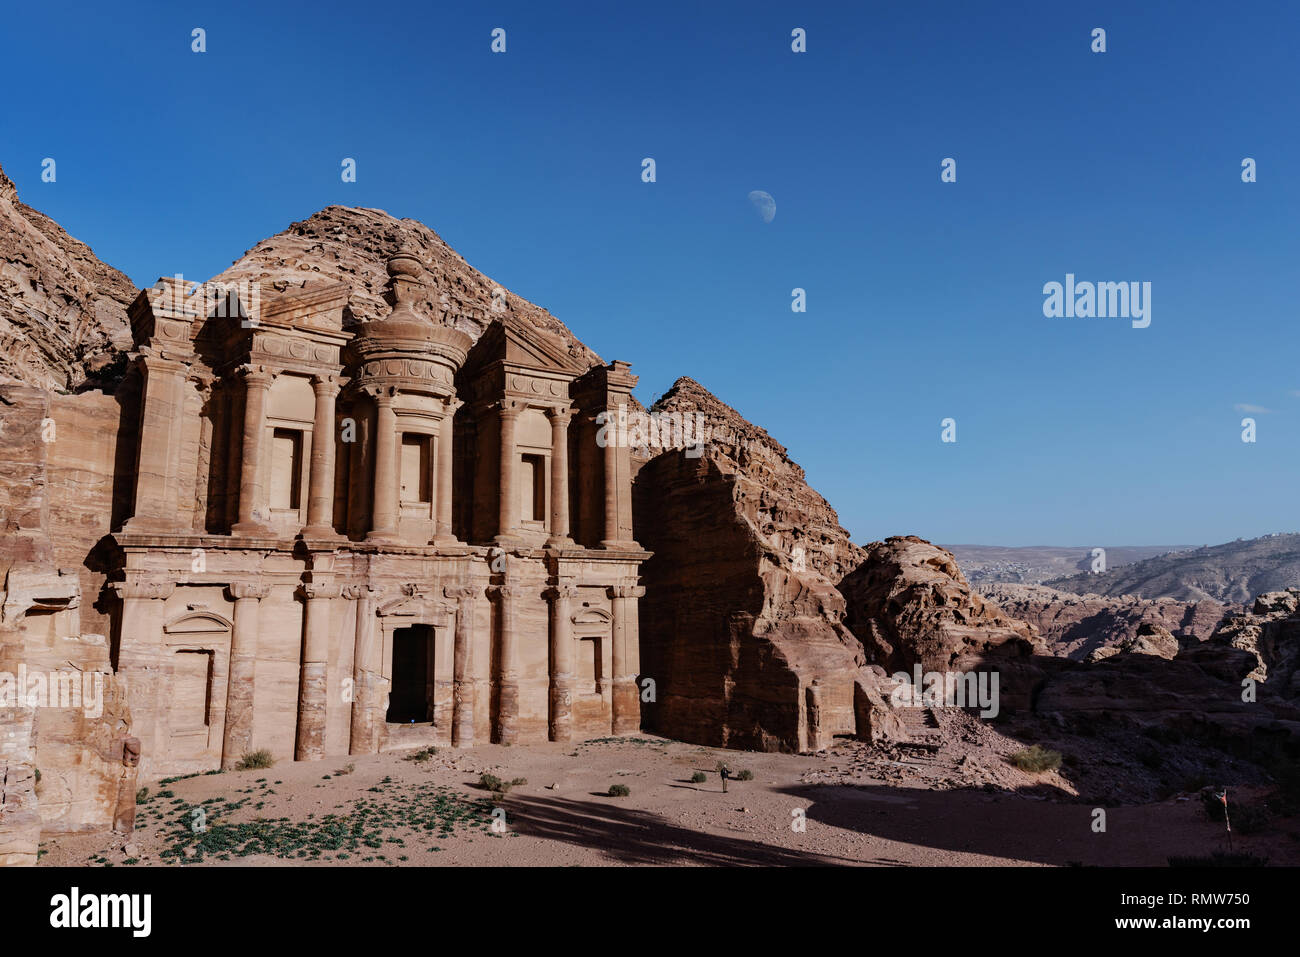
x=1077 y=626
x=62 y=311
x=741 y=625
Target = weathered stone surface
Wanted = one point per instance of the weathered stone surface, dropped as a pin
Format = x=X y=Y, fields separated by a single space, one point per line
x=62 y=311
x=350 y=245
x=909 y=604
x=1079 y=626
x=740 y=626
x=1271 y=633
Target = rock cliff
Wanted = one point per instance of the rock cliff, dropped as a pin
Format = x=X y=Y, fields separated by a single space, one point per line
x=62 y=311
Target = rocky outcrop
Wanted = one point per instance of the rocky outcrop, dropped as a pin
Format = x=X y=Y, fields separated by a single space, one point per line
x=1270 y=633
x=62 y=311
x=740 y=624
x=344 y=244
x=1079 y=626
x=910 y=604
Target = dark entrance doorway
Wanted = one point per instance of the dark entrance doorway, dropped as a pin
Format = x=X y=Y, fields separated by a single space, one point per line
x=410 y=697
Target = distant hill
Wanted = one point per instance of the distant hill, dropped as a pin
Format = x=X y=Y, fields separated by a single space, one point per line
x=1034 y=564
x=1232 y=572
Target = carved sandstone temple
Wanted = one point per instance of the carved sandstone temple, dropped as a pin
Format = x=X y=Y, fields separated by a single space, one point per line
x=348 y=539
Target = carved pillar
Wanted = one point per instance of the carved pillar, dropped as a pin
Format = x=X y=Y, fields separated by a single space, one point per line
x=560 y=477
x=626 y=656
x=464 y=685
x=508 y=504
x=253 y=510
x=561 y=661
x=445 y=533
x=383 y=526
x=508 y=681
x=158 y=455
x=234 y=426
x=611 y=478
x=313 y=694
x=238 y=736
x=320 y=487
x=367 y=674
x=142 y=663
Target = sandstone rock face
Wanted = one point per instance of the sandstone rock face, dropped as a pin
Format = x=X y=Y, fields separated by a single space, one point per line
x=341 y=243
x=909 y=604
x=1077 y=626
x=62 y=311
x=741 y=623
x=1270 y=632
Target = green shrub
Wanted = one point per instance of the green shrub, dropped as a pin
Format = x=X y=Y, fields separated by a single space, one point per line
x=619 y=790
x=261 y=758
x=1036 y=760
x=424 y=754
x=699 y=777
x=490 y=782
x=141 y=795
x=745 y=775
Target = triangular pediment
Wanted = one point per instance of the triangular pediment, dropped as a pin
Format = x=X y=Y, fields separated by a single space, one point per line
x=510 y=341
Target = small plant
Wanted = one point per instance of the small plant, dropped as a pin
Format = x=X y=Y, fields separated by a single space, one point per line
x=346 y=769
x=490 y=782
x=619 y=790
x=38 y=775
x=261 y=758
x=141 y=795
x=745 y=775
x=424 y=754
x=1036 y=760
x=699 y=777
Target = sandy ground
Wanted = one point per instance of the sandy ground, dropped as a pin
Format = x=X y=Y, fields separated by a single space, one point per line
x=389 y=810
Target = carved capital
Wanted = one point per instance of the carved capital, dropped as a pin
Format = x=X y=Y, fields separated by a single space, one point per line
x=504 y=592
x=561 y=417
x=318 y=591
x=626 y=591
x=242 y=590
x=462 y=593
x=358 y=592
x=557 y=592
x=323 y=384
x=257 y=376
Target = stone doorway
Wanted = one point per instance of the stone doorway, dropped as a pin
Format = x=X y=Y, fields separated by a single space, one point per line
x=411 y=694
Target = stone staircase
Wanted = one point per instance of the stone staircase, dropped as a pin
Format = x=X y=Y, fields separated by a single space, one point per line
x=922 y=728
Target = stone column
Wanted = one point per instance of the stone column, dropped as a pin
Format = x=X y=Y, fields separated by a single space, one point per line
x=444 y=533
x=560 y=478
x=508 y=680
x=363 y=737
x=234 y=425
x=383 y=525
x=626 y=703
x=238 y=737
x=313 y=693
x=464 y=686
x=253 y=510
x=320 y=486
x=508 y=503
x=561 y=661
x=142 y=663
x=157 y=471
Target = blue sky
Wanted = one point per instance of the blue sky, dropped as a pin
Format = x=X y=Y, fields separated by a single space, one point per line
x=924 y=298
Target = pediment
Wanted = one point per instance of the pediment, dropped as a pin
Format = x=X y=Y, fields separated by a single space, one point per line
x=508 y=340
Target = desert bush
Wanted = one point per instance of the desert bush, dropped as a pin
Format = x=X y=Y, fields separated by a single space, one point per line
x=619 y=790
x=699 y=777
x=490 y=782
x=745 y=775
x=1036 y=759
x=424 y=754
x=261 y=758
x=141 y=795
